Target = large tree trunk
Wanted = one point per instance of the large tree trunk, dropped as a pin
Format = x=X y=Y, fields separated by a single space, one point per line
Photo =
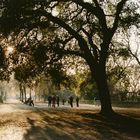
x=99 y=74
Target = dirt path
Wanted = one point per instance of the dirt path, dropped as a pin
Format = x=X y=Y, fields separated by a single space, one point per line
x=21 y=122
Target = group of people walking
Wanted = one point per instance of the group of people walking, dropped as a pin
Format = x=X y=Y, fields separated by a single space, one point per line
x=54 y=101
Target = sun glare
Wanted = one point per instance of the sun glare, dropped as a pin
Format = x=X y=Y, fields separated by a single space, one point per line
x=10 y=49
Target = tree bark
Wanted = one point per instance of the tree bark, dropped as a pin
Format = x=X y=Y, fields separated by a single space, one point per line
x=30 y=92
x=21 y=92
x=99 y=74
x=24 y=88
x=20 y=96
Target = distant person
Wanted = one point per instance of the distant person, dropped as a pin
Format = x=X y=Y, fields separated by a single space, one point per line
x=28 y=100
x=53 y=101
x=63 y=101
x=49 y=101
x=57 y=101
x=77 y=101
x=31 y=103
x=71 y=101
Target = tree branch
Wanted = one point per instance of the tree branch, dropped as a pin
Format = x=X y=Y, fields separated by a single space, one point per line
x=97 y=11
x=117 y=18
x=94 y=48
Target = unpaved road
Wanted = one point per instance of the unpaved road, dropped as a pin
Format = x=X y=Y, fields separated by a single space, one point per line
x=21 y=122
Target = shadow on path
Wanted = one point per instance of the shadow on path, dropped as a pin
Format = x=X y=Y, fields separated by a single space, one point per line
x=47 y=132
x=81 y=125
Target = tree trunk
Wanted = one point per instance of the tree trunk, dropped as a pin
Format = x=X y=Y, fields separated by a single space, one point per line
x=30 y=92
x=104 y=94
x=24 y=93
x=20 y=96
x=21 y=92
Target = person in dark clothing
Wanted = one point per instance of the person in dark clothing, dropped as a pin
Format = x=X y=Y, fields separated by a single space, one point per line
x=63 y=101
x=57 y=100
x=77 y=101
x=31 y=102
x=28 y=101
x=71 y=101
x=53 y=101
x=49 y=101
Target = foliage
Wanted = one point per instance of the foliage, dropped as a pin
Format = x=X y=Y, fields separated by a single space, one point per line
x=89 y=26
x=5 y=70
x=88 y=88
